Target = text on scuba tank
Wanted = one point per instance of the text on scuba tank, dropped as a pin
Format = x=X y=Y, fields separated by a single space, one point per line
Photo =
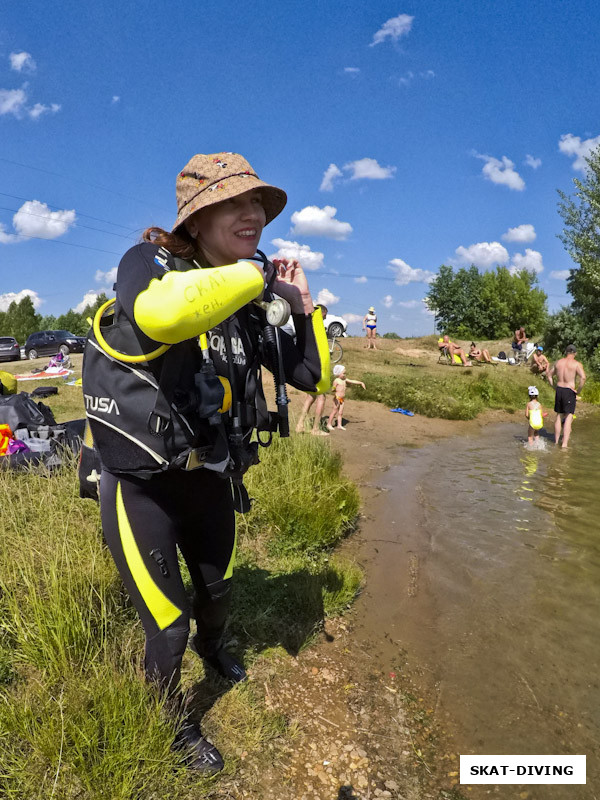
x=209 y=284
x=107 y=405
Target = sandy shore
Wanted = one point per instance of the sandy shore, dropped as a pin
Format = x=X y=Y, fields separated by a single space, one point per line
x=359 y=735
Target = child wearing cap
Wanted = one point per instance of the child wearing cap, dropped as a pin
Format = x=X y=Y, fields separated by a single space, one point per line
x=535 y=415
x=339 y=395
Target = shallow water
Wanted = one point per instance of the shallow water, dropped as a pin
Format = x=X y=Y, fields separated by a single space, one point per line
x=487 y=570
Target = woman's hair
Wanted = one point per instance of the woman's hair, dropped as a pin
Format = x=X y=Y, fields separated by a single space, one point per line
x=179 y=244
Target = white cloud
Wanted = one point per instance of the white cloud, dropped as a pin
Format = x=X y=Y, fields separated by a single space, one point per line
x=327 y=298
x=331 y=173
x=532 y=162
x=522 y=233
x=361 y=279
x=361 y=169
x=573 y=146
x=22 y=62
x=560 y=274
x=314 y=221
x=369 y=169
x=502 y=172
x=352 y=319
x=7 y=238
x=409 y=303
x=406 y=79
x=427 y=74
x=16 y=297
x=36 y=219
x=483 y=254
x=89 y=298
x=39 y=108
x=352 y=71
x=12 y=101
x=393 y=29
x=388 y=301
x=106 y=278
x=406 y=274
x=115 y=98
x=530 y=261
x=310 y=259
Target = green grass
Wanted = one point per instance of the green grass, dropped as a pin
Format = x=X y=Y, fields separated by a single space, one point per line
x=77 y=719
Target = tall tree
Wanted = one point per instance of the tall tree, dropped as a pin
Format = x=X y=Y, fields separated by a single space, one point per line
x=21 y=319
x=486 y=305
x=581 y=238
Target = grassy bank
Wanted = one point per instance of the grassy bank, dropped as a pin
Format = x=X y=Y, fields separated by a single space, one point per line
x=77 y=719
x=405 y=373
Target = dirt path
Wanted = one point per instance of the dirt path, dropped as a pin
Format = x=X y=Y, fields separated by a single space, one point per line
x=365 y=728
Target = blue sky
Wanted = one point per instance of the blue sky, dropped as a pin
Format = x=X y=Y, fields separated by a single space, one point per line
x=407 y=135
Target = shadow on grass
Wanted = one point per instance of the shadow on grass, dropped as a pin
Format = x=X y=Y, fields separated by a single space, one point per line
x=268 y=611
x=286 y=610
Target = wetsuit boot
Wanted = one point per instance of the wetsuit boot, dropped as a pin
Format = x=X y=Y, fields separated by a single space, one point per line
x=220 y=660
x=198 y=753
x=211 y=607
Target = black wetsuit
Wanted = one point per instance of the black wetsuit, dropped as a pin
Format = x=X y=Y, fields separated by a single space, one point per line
x=146 y=519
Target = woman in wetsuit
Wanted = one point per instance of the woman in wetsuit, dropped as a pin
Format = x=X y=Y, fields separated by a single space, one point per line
x=170 y=453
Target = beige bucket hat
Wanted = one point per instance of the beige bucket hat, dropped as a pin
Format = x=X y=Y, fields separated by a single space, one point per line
x=209 y=179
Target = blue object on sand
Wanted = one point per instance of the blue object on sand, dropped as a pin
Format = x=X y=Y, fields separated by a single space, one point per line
x=403 y=411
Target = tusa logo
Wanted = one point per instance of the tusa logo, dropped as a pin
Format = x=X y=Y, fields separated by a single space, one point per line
x=105 y=404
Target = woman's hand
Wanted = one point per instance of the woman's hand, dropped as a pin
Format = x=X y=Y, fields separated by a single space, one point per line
x=291 y=284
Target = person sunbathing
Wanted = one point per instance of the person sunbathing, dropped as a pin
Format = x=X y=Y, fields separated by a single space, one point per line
x=453 y=350
x=478 y=354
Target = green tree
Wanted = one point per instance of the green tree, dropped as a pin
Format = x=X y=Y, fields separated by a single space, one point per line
x=486 y=305
x=21 y=319
x=581 y=238
x=73 y=322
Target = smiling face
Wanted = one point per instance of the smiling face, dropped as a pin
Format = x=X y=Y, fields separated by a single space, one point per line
x=229 y=230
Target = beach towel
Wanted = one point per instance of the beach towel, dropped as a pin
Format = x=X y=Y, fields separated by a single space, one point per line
x=46 y=373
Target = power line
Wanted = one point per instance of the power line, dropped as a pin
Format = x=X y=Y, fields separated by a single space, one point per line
x=79 y=180
x=68 y=244
x=57 y=208
x=77 y=225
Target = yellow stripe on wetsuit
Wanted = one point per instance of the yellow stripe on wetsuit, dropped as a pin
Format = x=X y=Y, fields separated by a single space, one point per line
x=324 y=382
x=181 y=305
x=157 y=603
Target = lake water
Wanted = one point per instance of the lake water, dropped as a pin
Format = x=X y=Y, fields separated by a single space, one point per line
x=485 y=566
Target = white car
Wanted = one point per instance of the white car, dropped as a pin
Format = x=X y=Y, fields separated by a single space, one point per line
x=334 y=325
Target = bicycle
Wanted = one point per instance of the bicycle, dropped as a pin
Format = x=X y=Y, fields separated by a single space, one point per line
x=335 y=350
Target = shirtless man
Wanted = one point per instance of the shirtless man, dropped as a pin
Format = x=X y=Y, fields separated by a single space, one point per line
x=520 y=338
x=566 y=370
x=540 y=365
x=453 y=349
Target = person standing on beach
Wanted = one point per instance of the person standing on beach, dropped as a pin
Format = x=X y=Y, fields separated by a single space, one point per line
x=370 y=325
x=566 y=369
x=319 y=405
x=174 y=432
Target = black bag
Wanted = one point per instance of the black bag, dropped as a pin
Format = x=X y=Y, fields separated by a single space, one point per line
x=20 y=411
x=502 y=355
x=44 y=391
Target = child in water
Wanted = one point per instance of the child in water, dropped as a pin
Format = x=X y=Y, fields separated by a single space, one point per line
x=339 y=389
x=535 y=415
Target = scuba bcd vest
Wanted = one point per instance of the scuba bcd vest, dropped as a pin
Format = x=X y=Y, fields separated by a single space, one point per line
x=167 y=408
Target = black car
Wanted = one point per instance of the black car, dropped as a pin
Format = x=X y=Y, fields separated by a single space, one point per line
x=9 y=349
x=49 y=343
